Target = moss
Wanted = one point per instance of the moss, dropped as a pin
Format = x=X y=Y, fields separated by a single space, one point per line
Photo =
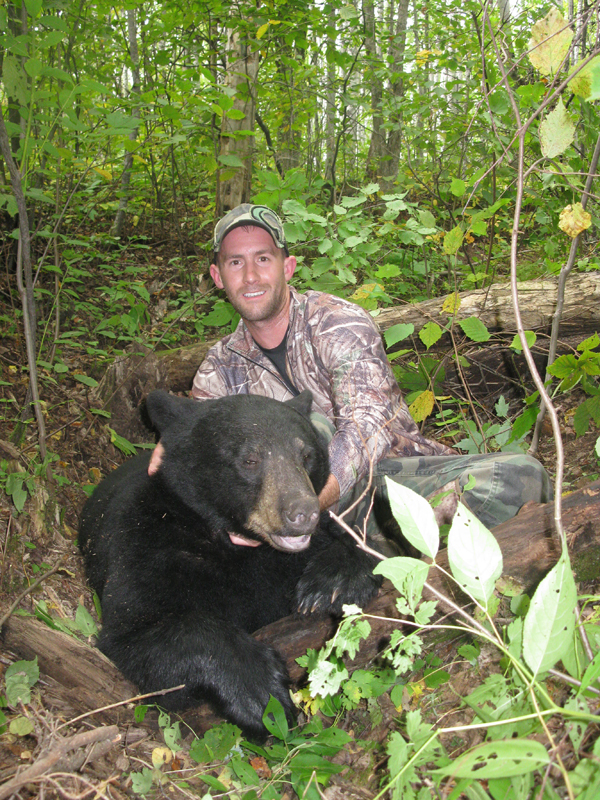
x=587 y=565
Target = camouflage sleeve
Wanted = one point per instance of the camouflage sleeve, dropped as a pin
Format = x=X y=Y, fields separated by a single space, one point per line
x=371 y=418
x=210 y=380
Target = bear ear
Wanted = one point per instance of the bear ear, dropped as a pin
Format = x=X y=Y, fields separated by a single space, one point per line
x=165 y=409
x=302 y=403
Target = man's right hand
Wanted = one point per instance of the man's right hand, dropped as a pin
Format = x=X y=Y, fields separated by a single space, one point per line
x=156 y=459
x=330 y=493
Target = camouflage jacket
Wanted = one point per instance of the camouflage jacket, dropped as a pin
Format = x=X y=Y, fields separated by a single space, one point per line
x=335 y=350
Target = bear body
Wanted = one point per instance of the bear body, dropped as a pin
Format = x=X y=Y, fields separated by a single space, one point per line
x=225 y=538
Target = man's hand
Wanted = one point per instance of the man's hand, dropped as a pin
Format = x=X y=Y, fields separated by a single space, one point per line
x=330 y=493
x=156 y=459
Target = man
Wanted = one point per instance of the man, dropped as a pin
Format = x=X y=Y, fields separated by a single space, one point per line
x=287 y=342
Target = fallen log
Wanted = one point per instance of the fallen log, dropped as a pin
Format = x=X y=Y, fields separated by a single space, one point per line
x=130 y=378
x=82 y=679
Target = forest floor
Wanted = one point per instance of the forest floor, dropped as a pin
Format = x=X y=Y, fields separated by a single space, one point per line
x=44 y=534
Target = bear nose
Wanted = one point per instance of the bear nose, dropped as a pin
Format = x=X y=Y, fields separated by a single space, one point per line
x=301 y=519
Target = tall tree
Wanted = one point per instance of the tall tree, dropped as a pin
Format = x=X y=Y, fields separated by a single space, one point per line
x=132 y=37
x=234 y=179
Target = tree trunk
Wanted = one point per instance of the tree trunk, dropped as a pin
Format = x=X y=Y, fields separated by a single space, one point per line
x=82 y=679
x=117 y=227
x=234 y=179
x=384 y=149
x=130 y=378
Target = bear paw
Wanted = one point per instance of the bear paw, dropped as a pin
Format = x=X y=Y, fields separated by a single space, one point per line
x=334 y=580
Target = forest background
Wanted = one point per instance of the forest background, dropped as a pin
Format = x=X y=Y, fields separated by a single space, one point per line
x=413 y=149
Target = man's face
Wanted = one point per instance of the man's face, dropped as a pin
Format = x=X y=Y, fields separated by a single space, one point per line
x=254 y=273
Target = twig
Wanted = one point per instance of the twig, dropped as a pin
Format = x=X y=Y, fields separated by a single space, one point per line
x=42 y=765
x=29 y=589
x=120 y=703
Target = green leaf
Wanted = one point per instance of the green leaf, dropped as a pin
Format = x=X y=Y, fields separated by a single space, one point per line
x=33 y=7
x=427 y=219
x=305 y=763
x=231 y=160
x=85 y=622
x=121 y=443
x=371 y=188
x=502 y=407
x=19 y=678
x=453 y=240
x=21 y=726
x=592 y=672
x=475 y=329
x=458 y=187
x=415 y=516
x=236 y=113
x=398 y=333
x=407 y=574
x=557 y=131
x=430 y=334
x=550 y=621
x=589 y=344
x=141 y=782
x=86 y=380
x=500 y=759
x=216 y=744
x=353 y=241
x=34 y=67
x=274 y=719
x=586 y=84
x=474 y=555
x=530 y=338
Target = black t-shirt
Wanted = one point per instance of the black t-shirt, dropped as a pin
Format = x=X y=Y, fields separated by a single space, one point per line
x=276 y=356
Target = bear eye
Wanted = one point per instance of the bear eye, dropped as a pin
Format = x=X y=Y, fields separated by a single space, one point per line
x=251 y=462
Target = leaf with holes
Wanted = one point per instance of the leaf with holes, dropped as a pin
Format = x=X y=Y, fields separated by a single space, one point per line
x=550 y=621
x=474 y=555
x=501 y=759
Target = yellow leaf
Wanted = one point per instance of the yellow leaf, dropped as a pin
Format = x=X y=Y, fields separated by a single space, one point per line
x=106 y=173
x=160 y=756
x=550 y=42
x=469 y=237
x=135 y=220
x=451 y=303
x=365 y=291
x=262 y=30
x=422 y=406
x=574 y=219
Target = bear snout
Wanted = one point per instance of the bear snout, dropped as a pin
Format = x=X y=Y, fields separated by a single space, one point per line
x=301 y=516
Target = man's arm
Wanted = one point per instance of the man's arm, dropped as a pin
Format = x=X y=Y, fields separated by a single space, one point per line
x=330 y=493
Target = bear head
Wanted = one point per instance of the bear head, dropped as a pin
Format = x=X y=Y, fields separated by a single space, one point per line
x=247 y=465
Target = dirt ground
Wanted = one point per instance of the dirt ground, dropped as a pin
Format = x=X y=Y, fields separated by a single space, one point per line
x=44 y=535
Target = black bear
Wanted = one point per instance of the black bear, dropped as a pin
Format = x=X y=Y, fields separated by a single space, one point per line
x=223 y=539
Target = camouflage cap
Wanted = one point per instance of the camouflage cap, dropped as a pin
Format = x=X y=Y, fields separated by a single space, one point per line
x=248 y=214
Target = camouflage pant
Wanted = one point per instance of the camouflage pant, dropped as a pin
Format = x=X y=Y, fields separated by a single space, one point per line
x=501 y=483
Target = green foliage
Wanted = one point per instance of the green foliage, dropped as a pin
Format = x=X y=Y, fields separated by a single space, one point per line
x=509 y=707
x=581 y=369
x=19 y=678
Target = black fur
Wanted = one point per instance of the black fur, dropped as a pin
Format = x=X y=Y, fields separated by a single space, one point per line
x=179 y=599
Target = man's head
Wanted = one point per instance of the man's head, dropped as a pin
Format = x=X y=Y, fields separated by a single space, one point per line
x=246 y=215
x=251 y=262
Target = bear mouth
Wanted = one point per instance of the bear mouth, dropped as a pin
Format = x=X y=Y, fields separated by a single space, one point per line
x=292 y=544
